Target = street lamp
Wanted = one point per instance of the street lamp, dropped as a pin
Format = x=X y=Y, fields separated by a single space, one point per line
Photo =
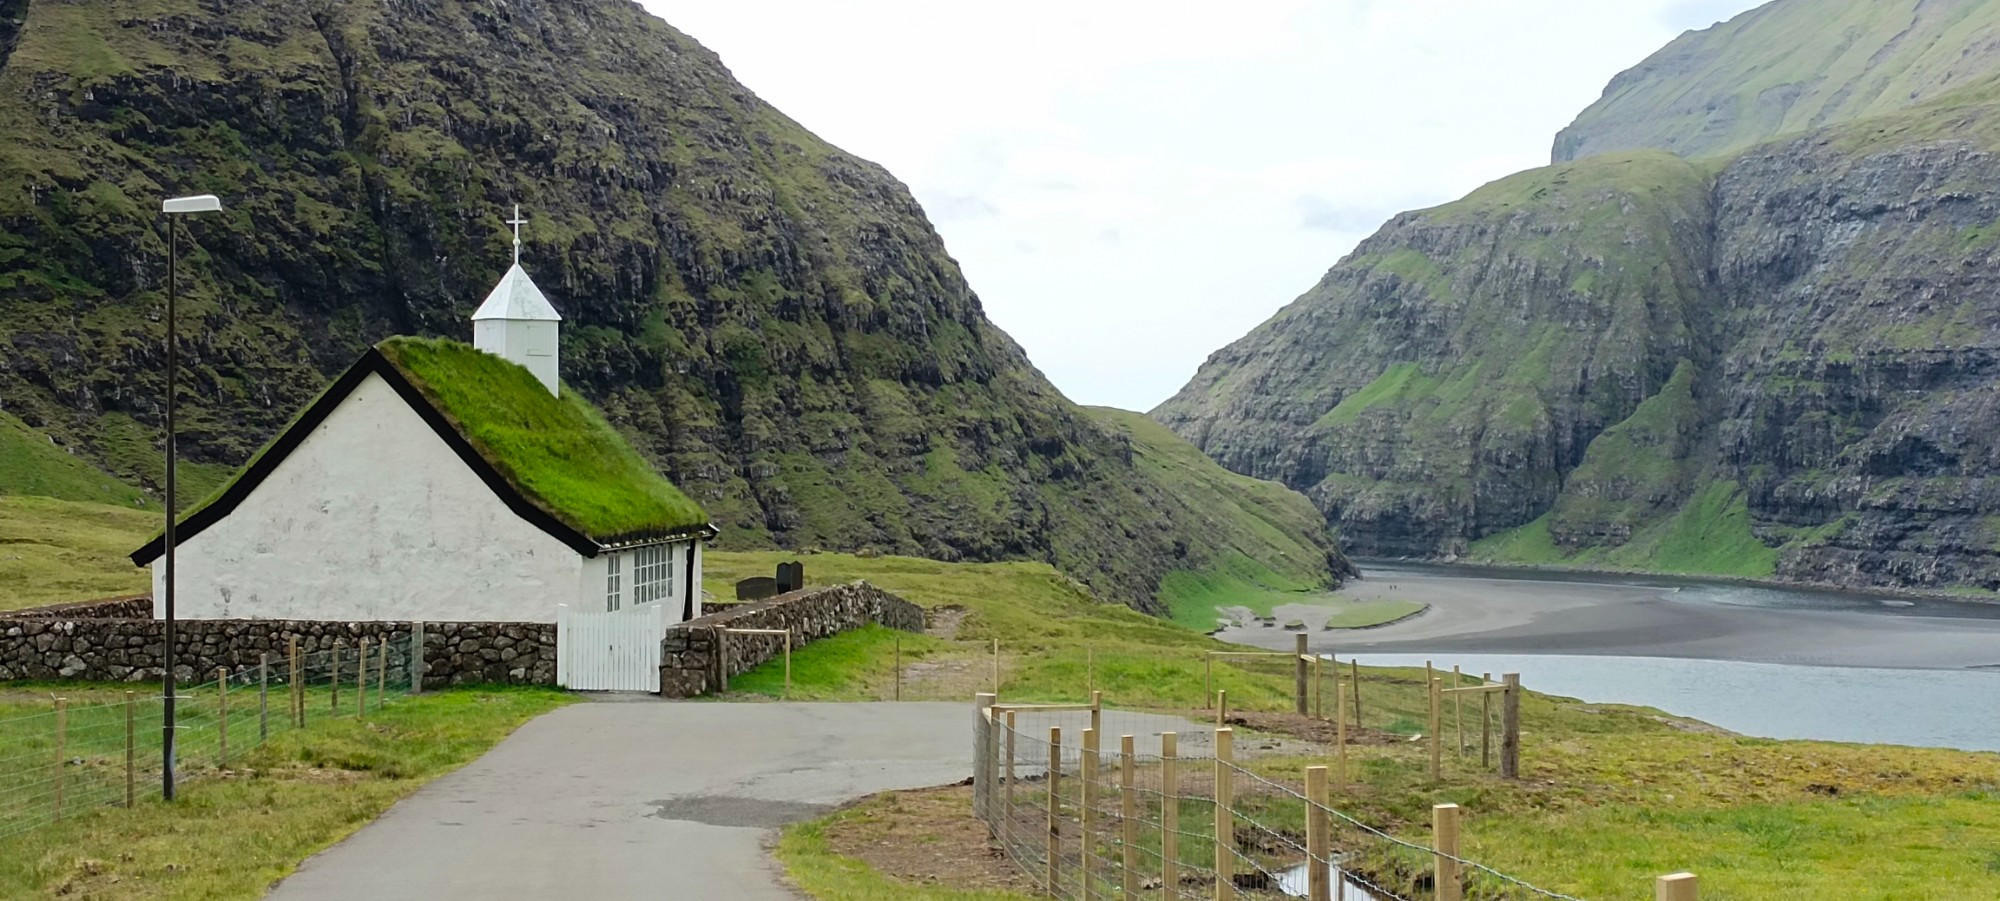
x=173 y=209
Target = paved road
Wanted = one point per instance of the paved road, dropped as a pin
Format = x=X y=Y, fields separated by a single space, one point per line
x=643 y=799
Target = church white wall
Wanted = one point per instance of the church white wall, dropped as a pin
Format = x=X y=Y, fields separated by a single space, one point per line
x=592 y=592
x=373 y=517
x=526 y=342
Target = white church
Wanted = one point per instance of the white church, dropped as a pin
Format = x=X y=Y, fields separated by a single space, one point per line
x=439 y=482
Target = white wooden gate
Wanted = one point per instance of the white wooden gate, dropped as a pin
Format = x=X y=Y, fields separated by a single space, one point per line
x=614 y=651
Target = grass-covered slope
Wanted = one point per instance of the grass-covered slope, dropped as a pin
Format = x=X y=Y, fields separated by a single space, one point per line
x=30 y=464
x=53 y=551
x=1788 y=67
x=770 y=320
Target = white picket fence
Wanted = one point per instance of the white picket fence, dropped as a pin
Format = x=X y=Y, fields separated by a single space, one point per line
x=613 y=651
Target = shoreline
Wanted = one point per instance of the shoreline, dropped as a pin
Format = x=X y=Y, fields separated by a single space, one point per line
x=1927 y=594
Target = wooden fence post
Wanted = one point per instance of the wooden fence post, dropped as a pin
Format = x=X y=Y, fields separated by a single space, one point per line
x=1087 y=812
x=788 y=666
x=899 y=669
x=982 y=762
x=263 y=698
x=1319 y=868
x=62 y=739
x=1207 y=681
x=1339 y=730
x=1097 y=712
x=1444 y=835
x=1319 y=689
x=361 y=680
x=1054 y=782
x=1089 y=668
x=1678 y=887
x=1225 y=824
x=131 y=748
x=417 y=658
x=996 y=666
x=1170 y=815
x=334 y=703
x=382 y=672
x=1486 y=723
x=1221 y=707
x=1437 y=726
x=222 y=716
x=1008 y=811
x=1510 y=727
x=1128 y=817
x=1458 y=712
x=1354 y=673
x=1299 y=675
x=292 y=677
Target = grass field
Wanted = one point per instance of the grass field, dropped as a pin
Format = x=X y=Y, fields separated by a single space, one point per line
x=1611 y=796
x=52 y=551
x=233 y=835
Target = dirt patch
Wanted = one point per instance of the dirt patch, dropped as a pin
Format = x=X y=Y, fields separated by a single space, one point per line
x=926 y=837
x=723 y=810
x=944 y=622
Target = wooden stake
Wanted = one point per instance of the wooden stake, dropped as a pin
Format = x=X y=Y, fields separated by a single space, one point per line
x=1208 y=681
x=1299 y=675
x=1678 y=887
x=1437 y=726
x=1510 y=727
x=1444 y=835
x=1221 y=707
x=899 y=674
x=263 y=698
x=788 y=667
x=1054 y=781
x=62 y=755
x=222 y=715
x=1170 y=816
x=1009 y=810
x=1128 y=817
x=1087 y=809
x=1319 y=689
x=1485 y=723
x=382 y=671
x=1090 y=668
x=334 y=704
x=1097 y=711
x=1339 y=730
x=292 y=678
x=996 y=666
x=361 y=681
x=1354 y=667
x=1458 y=711
x=131 y=748
x=1225 y=824
x=1318 y=866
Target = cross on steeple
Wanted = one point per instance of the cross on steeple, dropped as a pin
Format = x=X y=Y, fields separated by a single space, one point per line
x=517 y=222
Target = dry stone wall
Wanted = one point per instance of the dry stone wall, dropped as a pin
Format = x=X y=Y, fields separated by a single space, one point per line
x=138 y=606
x=131 y=650
x=697 y=656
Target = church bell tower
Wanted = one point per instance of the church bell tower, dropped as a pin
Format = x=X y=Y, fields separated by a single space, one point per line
x=517 y=322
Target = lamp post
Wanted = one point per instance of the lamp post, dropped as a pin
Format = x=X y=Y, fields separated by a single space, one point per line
x=173 y=209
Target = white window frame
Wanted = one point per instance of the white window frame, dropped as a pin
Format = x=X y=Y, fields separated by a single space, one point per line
x=653 y=574
x=613 y=583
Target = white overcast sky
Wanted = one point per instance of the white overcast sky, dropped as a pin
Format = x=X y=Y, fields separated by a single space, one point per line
x=1131 y=184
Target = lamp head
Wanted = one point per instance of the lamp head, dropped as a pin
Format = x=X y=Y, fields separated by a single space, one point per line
x=199 y=203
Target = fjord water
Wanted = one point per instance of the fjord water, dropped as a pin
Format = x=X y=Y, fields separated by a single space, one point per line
x=1955 y=707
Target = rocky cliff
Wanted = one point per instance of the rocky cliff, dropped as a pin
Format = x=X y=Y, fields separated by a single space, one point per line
x=1784 y=361
x=772 y=320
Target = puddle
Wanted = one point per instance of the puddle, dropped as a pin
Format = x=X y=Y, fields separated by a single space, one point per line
x=1293 y=882
x=718 y=810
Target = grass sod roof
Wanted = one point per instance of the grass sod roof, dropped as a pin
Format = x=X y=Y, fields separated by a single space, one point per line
x=557 y=451
x=556 y=454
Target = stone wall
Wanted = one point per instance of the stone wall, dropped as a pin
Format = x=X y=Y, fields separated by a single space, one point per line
x=138 y=606
x=690 y=664
x=130 y=650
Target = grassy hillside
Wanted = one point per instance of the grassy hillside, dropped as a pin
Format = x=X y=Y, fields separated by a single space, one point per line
x=1788 y=67
x=53 y=551
x=33 y=465
x=1613 y=796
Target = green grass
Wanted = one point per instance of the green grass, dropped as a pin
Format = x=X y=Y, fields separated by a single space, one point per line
x=1612 y=796
x=35 y=466
x=1361 y=614
x=1710 y=535
x=53 y=551
x=848 y=665
x=232 y=837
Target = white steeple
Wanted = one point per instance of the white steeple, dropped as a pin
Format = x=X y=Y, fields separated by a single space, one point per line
x=517 y=322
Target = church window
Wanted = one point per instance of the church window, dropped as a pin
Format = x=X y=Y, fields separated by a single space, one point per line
x=653 y=574
x=612 y=582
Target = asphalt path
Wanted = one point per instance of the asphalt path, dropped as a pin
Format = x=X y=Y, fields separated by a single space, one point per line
x=641 y=799
x=1500 y=613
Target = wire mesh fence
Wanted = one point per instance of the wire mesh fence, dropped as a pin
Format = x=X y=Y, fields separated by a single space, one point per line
x=104 y=747
x=1100 y=804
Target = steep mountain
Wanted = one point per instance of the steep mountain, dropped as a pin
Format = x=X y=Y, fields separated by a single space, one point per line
x=770 y=319
x=1784 y=68
x=1783 y=361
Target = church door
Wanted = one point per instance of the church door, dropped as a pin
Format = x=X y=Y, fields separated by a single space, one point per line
x=616 y=650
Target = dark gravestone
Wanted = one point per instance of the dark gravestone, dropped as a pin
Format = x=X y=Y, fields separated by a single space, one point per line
x=756 y=589
x=791 y=576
